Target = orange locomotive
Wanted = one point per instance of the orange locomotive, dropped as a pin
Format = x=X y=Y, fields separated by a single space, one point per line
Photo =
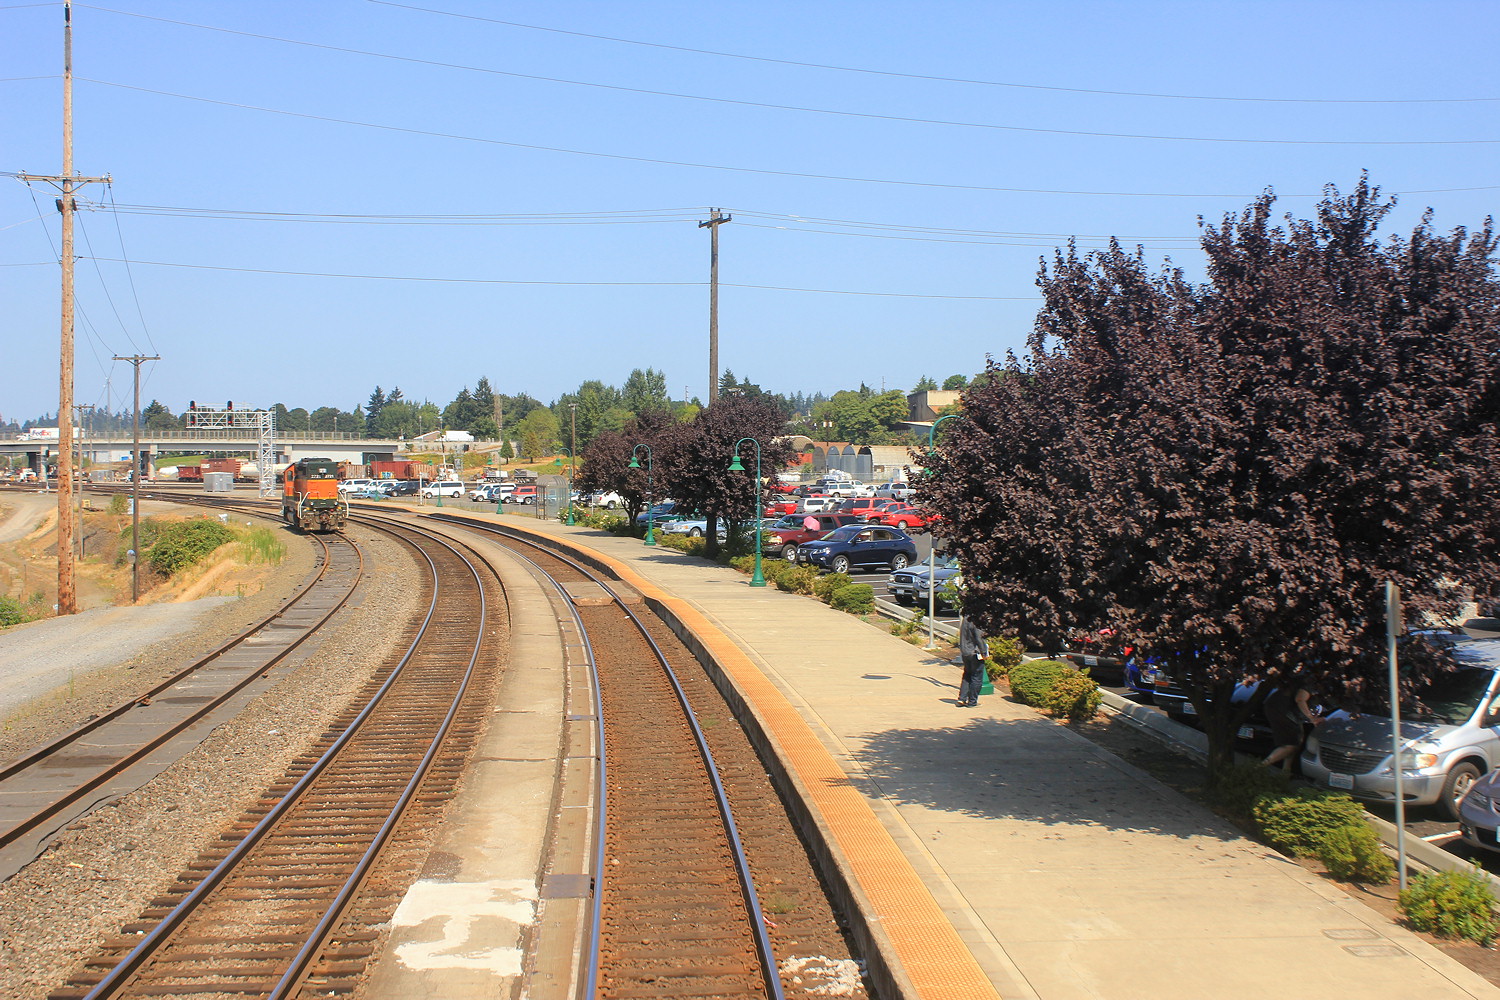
x=310 y=497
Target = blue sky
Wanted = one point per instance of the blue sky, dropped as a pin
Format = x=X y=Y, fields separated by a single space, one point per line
x=511 y=148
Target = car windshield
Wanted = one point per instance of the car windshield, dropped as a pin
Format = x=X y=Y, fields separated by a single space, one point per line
x=845 y=534
x=1452 y=698
x=945 y=561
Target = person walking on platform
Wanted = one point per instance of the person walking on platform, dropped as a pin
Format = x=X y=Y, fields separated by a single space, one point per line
x=975 y=649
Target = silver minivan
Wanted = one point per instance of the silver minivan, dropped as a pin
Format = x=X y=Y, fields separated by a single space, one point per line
x=1451 y=739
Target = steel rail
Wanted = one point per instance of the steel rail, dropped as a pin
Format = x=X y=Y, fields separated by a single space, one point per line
x=143 y=750
x=117 y=977
x=38 y=753
x=742 y=865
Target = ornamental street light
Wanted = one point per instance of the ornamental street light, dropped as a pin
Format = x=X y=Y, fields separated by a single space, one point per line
x=757 y=579
x=650 y=510
x=558 y=463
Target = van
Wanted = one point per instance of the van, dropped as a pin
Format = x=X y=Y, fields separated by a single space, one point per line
x=1448 y=741
x=444 y=488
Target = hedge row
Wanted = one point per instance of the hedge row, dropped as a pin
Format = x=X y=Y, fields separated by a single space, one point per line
x=1056 y=687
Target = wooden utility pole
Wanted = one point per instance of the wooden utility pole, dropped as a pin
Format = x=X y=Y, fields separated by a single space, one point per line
x=67 y=595
x=715 y=220
x=135 y=479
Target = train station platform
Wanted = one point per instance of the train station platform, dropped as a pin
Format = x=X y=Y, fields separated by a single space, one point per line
x=994 y=852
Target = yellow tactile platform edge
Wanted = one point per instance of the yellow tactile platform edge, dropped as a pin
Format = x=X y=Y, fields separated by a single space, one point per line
x=928 y=949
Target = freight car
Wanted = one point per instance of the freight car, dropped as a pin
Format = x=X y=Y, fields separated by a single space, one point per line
x=310 y=497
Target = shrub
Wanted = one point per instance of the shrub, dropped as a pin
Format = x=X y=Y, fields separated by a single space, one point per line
x=856 y=598
x=827 y=583
x=1451 y=904
x=1074 y=696
x=150 y=528
x=1031 y=681
x=796 y=579
x=118 y=504
x=599 y=519
x=1353 y=853
x=180 y=545
x=1300 y=823
x=13 y=612
x=745 y=564
x=1005 y=653
x=1236 y=788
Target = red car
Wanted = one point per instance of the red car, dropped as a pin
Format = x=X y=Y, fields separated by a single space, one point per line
x=781 y=504
x=904 y=516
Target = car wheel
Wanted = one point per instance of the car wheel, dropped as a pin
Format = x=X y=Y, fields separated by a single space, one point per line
x=899 y=561
x=610 y=506
x=841 y=564
x=1460 y=779
x=694 y=533
x=905 y=600
x=901 y=525
x=789 y=553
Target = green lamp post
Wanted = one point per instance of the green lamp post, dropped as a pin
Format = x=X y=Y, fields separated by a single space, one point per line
x=757 y=579
x=571 y=472
x=635 y=464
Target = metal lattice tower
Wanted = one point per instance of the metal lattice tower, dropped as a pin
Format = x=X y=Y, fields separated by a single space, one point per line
x=262 y=422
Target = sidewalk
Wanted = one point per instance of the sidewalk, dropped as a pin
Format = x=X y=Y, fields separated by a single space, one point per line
x=1065 y=872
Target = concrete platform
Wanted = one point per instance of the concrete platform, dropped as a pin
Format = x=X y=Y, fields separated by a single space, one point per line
x=995 y=852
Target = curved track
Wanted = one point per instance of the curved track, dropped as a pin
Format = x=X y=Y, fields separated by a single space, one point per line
x=58 y=781
x=675 y=907
x=274 y=912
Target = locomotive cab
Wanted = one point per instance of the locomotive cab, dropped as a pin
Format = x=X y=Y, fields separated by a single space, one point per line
x=310 y=496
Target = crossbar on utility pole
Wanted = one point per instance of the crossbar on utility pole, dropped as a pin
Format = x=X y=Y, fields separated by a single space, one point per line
x=715 y=220
x=135 y=478
x=67 y=594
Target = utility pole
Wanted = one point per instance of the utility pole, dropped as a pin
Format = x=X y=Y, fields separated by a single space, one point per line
x=135 y=479
x=715 y=220
x=67 y=597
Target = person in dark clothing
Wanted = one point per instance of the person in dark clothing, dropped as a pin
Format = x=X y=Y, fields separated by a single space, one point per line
x=1287 y=708
x=975 y=649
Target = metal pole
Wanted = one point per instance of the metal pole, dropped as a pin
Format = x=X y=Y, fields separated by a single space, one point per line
x=135 y=477
x=1392 y=629
x=932 y=552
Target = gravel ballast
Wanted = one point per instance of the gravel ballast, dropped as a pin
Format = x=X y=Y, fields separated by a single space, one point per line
x=106 y=867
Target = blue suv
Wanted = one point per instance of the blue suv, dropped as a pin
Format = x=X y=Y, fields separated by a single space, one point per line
x=858 y=545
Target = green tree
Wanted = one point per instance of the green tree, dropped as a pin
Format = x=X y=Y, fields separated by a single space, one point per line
x=372 y=410
x=953 y=382
x=538 y=434
x=645 y=391
x=924 y=384
x=156 y=417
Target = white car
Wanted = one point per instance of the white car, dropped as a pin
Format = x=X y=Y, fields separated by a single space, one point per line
x=350 y=485
x=444 y=488
x=483 y=493
x=849 y=489
x=609 y=499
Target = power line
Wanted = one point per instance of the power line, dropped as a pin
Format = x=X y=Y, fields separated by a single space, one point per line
x=403 y=130
x=564 y=284
x=803 y=109
x=938 y=79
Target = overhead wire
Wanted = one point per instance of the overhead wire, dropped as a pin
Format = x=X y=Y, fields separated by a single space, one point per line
x=931 y=77
x=563 y=284
x=129 y=274
x=939 y=185
x=801 y=109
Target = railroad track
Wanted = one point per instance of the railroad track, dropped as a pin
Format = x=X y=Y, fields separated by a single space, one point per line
x=676 y=910
x=53 y=784
x=290 y=900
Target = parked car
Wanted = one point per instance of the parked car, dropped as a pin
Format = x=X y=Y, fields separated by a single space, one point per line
x=349 y=485
x=894 y=491
x=444 y=488
x=607 y=499
x=782 y=503
x=1451 y=738
x=365 y=493
x=856 y=546
x=909 y=586
x=791 y=531
x=400 y=487
x=850 y=488
x=667 y=509
x=900 y=514
x=524 y=493
x=483 y=493
x=816 y=503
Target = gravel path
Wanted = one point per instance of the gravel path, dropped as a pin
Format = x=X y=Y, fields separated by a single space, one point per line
x=107 y=866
